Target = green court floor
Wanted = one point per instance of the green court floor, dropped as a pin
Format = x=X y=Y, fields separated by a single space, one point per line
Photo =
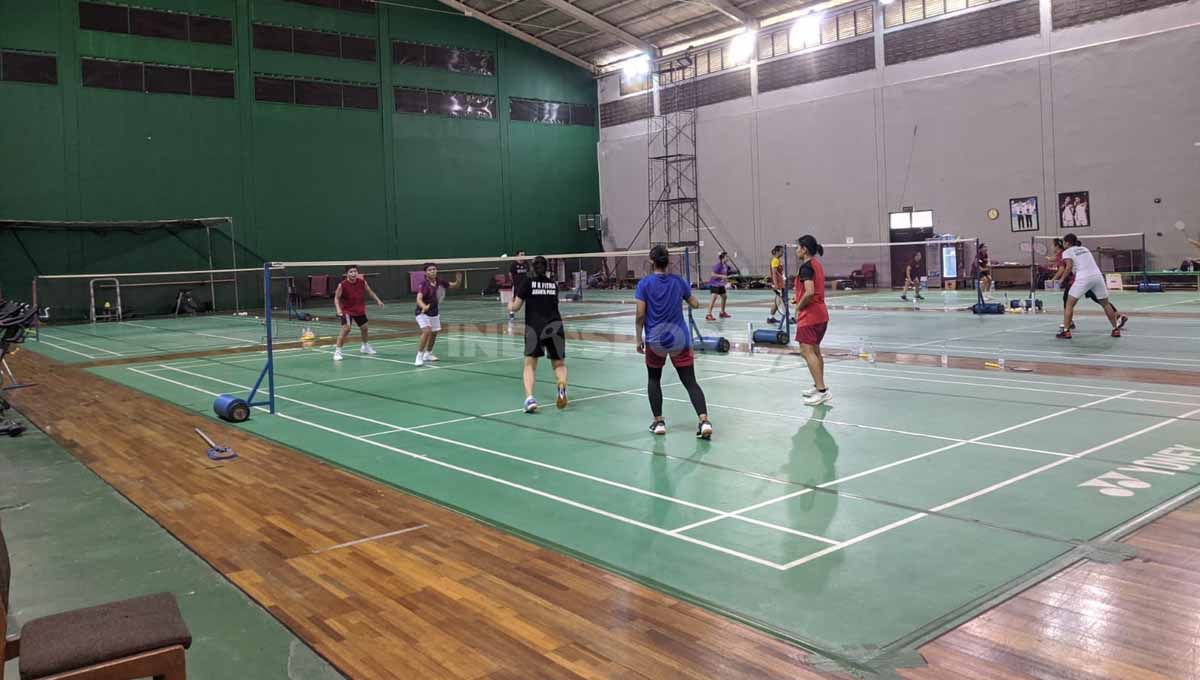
x=75 y=542
x=919 y=495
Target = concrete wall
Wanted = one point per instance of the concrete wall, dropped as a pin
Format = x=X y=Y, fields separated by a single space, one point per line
x=1110 y=106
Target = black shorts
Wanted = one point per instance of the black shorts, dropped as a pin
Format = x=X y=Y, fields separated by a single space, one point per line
x=550 y=341
x=360 y=319
x=717 y=290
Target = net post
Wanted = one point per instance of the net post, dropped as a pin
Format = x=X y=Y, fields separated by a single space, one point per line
x=212 y=284
x=37 y=317
x=1145 y=256
x=268 y=371
x=1033 y=267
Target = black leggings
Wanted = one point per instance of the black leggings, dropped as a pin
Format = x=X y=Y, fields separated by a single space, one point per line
x=687 y=376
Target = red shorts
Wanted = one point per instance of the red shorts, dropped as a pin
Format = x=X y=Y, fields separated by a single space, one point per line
x=657 y=358
x=811 y=335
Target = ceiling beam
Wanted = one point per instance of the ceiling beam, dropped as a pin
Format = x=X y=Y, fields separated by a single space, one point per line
x=727 y=8
x=519 y=35
x=601 y=25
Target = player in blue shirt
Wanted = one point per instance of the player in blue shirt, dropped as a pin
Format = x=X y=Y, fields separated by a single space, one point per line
x=663 y=332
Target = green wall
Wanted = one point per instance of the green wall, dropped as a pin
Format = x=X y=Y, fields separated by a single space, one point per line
x=301 y=182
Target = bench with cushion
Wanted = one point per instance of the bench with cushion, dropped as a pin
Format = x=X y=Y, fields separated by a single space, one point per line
x=143 y=637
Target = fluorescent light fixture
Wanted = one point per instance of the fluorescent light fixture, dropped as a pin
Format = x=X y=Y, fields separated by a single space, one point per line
x=886 y=2
x=637 y=66
x=742 y=46
x=806 y=31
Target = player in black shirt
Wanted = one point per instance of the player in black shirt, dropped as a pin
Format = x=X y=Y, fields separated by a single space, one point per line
x=517 y=272
x=544 y=334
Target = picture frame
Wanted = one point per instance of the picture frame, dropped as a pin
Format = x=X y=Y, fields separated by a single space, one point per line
x=1074 y=210
x=1023 y=214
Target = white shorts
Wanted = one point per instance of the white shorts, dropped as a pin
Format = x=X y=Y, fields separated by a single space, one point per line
x=434 y=323
x=1094 y=284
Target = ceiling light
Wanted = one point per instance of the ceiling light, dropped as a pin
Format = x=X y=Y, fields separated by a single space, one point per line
x=637 y=66
x=806 y=32
x=742 y=46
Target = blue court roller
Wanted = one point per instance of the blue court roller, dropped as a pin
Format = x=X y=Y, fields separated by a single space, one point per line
x=231 y=408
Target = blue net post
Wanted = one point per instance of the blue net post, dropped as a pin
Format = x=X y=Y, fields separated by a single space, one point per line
x=268 y=371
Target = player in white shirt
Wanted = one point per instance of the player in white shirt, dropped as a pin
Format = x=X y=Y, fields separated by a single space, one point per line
x=1078 y=260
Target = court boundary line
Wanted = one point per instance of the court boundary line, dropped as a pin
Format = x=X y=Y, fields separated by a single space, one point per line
x=504 y=482
x=509 y=456
x=1009 y=481
x=902 y=461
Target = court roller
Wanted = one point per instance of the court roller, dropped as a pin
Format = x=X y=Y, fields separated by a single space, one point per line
x=231 y=408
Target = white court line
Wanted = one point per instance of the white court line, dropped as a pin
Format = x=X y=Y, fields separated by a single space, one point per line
x=497 y=480
x=501 y=454
x=985 y=491
x=368 y=539
x=877 y=428
x=902 y=461
x=66 y=349
x=84 y=344
x=241 y=341
x=751 y=360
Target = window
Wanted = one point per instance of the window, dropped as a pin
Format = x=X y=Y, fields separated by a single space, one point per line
x=360 y=97
x=97 y=17
x=112 y=75
x=152 y=23
x=212 y=84
x=168 y=80
x=552 y=113
x=312 y=93
x=23 y=67
x=832 y=28
x=354 y=47
x=633 y=84
x=479 y=62
x=360 y=6
x=316 y=42
x=210 y=30
x=440 y=103
x=328 y=93
x=412 y=101
x=155 y=24
x=276 y=38
x=281 y=90
x=320 y=43
x=920 y=219
x=905 y=12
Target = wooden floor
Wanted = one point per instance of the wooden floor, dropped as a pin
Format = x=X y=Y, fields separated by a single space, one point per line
x=453 y=598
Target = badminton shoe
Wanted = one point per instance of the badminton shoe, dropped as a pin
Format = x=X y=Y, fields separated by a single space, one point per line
x=1122 y=321
x=1063 y=335
x=771 y=319
x=429 y=358
x=809 y=392
x=531 y=405
x=904 y=297
x=709 y=317
x=561 y=401
x=1116 y=332
x=367 y=349
x=726 y=316
x=819 y=398
x=420 y=359
x=920 y=297
x=337 y=354
x=704 y=430
x=658 y=427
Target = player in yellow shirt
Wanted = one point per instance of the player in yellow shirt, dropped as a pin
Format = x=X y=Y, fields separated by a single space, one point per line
x=778 y=281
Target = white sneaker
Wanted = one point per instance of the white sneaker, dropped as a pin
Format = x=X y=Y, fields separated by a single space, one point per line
x=420 y=359
x=367 y=349
x=819 y=398
x=429 y=357
x=337 y=354
x=809 y=392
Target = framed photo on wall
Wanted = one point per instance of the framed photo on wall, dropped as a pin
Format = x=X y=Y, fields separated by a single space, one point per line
x=1074 y=210
x=1023 y=213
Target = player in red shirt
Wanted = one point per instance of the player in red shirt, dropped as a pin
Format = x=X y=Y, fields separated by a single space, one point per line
x=812 y=316
x=350 y=300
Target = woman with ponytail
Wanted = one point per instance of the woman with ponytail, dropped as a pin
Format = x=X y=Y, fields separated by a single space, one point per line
x=544 y=334
x=812 y=317
x=662 y=332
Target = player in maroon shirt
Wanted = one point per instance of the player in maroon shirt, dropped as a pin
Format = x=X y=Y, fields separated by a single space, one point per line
x=350 y=300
